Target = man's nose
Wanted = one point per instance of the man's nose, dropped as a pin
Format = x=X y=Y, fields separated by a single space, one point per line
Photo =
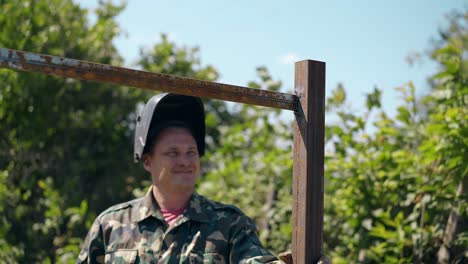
x=185 y=159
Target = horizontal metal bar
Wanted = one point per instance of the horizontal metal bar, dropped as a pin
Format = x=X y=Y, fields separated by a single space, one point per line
x=84 y=70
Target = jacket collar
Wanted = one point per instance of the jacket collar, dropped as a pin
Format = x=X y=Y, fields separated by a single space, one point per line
x=149 y=207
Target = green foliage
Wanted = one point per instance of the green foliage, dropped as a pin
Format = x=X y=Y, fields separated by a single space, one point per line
x=61 y=139
x=393 y=186
x=167 y=58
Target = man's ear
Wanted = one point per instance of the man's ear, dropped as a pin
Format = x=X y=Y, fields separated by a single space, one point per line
x=147 y=162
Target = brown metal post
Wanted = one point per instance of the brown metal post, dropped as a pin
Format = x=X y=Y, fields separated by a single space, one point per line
x=308 y=168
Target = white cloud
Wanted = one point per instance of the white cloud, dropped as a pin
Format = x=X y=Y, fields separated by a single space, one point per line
x=288 y=58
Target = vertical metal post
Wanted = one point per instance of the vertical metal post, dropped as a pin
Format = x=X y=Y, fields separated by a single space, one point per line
x=308 y=168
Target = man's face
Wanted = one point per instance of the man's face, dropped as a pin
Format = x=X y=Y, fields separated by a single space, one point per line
x=174 y=164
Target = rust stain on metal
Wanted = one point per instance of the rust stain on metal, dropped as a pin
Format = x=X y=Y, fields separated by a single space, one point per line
x=83 y=70
x=47 y=58
x=22 y=60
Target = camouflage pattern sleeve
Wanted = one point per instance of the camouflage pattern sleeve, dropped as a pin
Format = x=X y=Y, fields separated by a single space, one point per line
x=92 y=250
x=247 y=248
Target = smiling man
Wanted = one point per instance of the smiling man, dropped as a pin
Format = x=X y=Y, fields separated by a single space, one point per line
x=172 y=223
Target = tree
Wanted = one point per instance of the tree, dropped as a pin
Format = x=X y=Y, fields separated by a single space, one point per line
x=396 y=192
x=62 y=140
x=445 y=151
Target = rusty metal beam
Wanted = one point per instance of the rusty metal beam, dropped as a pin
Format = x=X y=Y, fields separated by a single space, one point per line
x=84 y=70
x=308 y=167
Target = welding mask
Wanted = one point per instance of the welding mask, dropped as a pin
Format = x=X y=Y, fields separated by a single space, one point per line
x=166 y=108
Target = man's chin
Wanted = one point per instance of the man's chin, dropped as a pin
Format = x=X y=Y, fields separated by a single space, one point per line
x=187 y=186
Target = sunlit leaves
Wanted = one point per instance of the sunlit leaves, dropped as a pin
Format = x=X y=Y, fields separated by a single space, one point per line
x=55 y=131
x=392 y=190
x=373 y=99
x=168 y=58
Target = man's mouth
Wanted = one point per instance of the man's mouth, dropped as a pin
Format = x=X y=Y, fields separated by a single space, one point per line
x=183 y=171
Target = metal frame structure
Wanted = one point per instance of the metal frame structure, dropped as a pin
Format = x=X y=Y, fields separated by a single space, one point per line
x=307 y=102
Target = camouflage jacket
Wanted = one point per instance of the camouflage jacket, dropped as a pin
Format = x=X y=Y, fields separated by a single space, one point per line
x=206 y=232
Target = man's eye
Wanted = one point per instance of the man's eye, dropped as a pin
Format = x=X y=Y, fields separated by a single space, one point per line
x=192 y=153
x=171 y=154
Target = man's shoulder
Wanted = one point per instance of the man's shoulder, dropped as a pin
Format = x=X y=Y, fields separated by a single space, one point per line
x=121 y=208
x=227 y=217
x=219 y=209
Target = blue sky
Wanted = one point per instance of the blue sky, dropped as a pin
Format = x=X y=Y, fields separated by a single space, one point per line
x=364 y=43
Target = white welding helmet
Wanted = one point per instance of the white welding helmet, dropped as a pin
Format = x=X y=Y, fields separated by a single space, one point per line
x=167 y=107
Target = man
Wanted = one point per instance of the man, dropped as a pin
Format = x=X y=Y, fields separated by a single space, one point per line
x=172 y=223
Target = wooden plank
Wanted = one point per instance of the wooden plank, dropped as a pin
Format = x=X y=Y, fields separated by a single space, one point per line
x=308 y=168
x=84 y=70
